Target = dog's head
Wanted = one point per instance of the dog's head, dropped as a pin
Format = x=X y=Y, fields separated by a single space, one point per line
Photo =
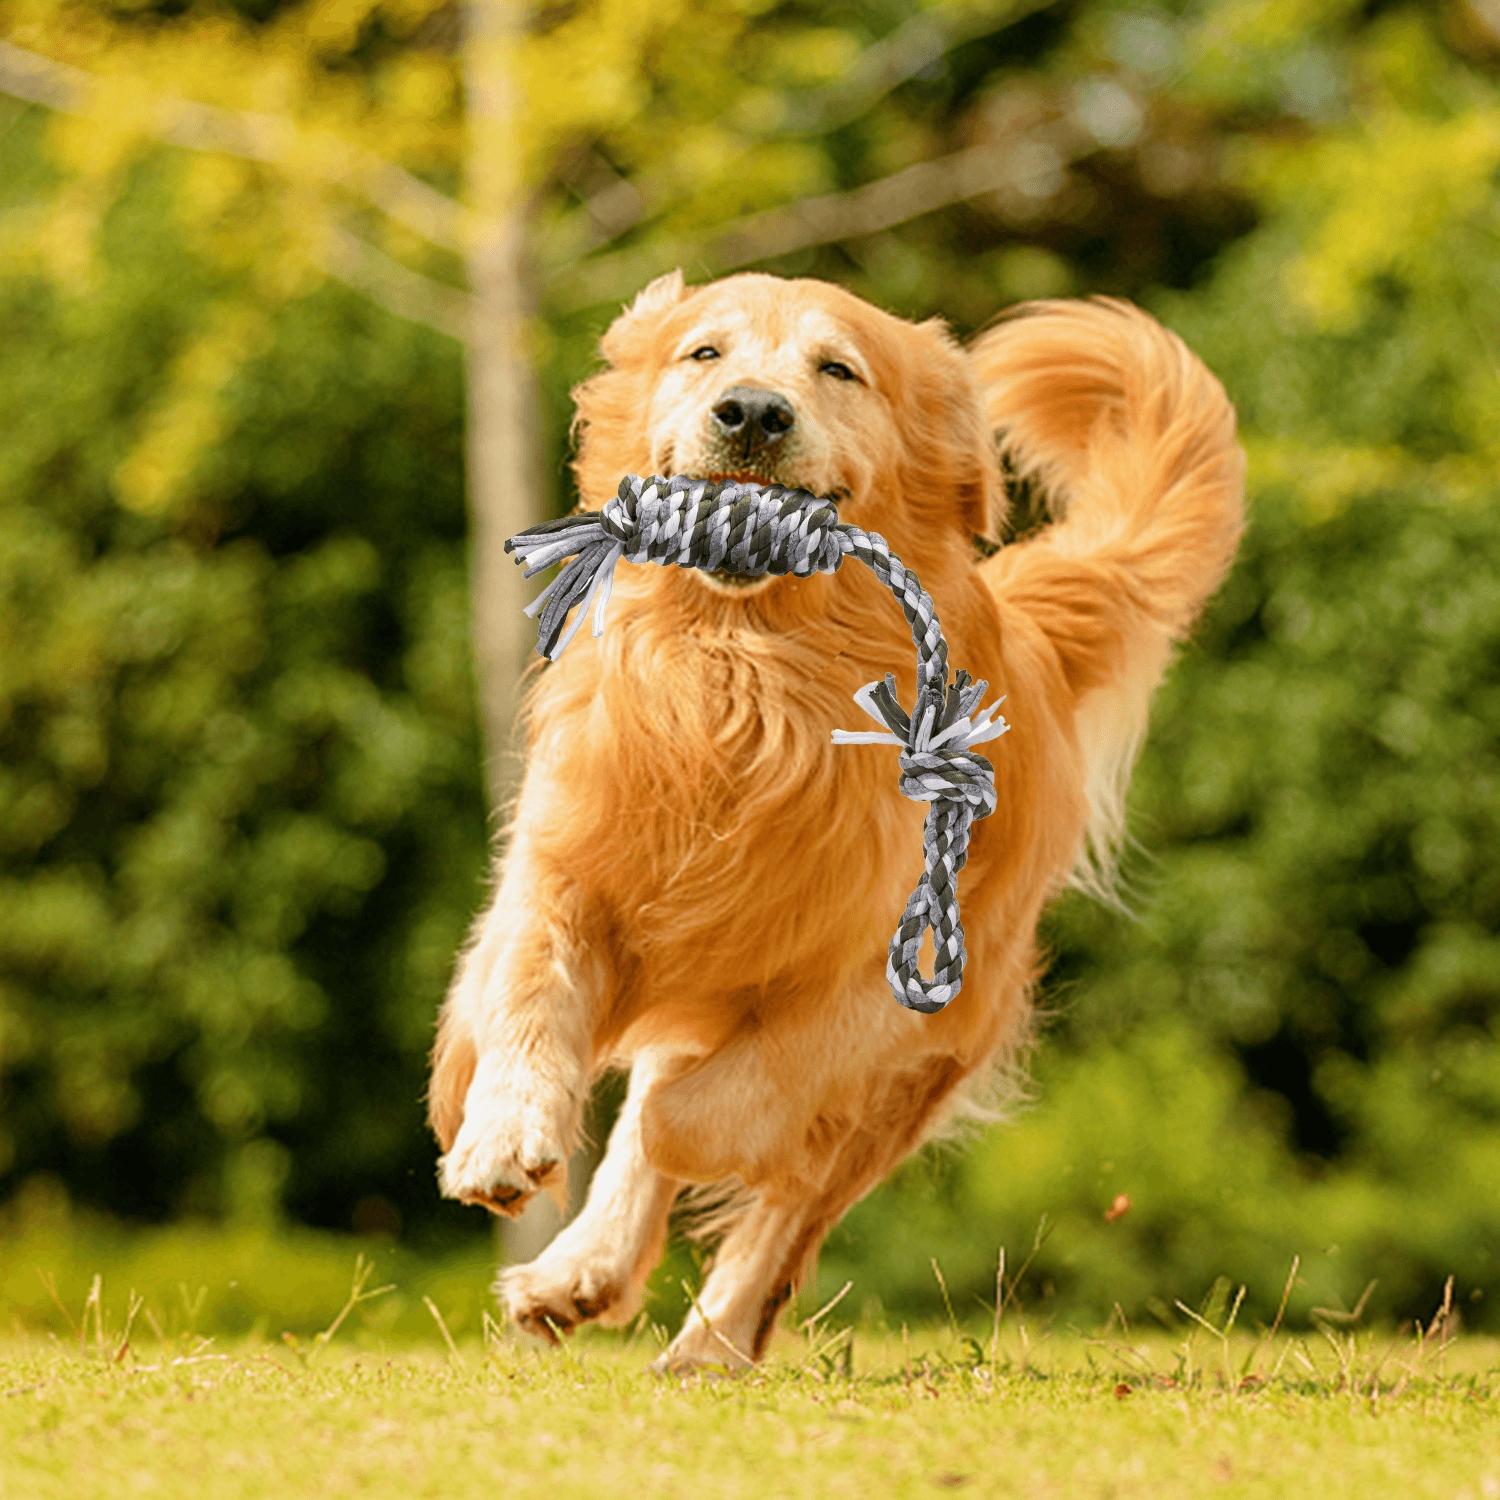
x=797 y=383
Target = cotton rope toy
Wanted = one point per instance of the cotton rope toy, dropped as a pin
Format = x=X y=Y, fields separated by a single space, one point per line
x=754 y=530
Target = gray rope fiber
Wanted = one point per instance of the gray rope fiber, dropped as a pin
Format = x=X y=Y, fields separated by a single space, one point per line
x=756 y=530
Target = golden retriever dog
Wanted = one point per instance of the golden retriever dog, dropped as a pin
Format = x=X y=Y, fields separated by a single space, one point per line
x=699 y=885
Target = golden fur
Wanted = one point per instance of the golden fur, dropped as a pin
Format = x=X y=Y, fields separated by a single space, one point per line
x=699 y=885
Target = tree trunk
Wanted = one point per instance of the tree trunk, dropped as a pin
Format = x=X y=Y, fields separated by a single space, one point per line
x=504 y=474
x=503 y=470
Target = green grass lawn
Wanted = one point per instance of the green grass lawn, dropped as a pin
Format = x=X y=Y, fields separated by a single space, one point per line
x=122 y=1400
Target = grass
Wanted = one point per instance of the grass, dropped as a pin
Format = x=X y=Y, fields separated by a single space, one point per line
x=121 y=1397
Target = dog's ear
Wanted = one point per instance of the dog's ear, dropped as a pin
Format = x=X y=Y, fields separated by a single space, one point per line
x=609 y=407
x=953 y=455
x=626 y=332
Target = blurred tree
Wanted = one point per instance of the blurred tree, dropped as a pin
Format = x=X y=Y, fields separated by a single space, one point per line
x=240 y=828
x=283 y=146
x=281 y=199
x=240 y=816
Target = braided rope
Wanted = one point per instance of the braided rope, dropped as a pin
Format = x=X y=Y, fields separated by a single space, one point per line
x=768 y=529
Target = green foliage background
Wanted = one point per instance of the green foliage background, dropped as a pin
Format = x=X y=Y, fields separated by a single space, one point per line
x=241 y=818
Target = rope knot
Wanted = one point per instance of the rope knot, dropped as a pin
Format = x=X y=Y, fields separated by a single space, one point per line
x=717 y=525
x=949 y=774
x=724 y=525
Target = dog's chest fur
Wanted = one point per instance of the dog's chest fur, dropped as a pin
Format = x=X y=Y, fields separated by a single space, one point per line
x=702 y=802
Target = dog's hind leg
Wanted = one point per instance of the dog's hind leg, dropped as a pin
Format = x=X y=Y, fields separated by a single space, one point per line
x=598 y=1265
x=770 y=1246
x=748 y=1109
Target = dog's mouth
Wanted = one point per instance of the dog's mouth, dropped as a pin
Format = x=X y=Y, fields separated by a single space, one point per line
x=728 y=582
x=722 y=579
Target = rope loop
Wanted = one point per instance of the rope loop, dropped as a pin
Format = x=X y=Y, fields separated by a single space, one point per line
x=755 y=530
x=939 y=767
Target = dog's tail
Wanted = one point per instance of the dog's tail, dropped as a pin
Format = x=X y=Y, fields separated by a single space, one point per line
x=1132 y=441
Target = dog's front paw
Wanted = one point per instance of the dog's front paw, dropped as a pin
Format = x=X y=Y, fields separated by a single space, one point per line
x=501 y=1160
x=553 y=1294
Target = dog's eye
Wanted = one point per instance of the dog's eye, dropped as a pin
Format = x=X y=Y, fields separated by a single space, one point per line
x=704 y=352
x=837 y=369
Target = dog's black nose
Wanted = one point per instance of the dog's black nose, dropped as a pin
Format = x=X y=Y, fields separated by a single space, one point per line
x=754 y=415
